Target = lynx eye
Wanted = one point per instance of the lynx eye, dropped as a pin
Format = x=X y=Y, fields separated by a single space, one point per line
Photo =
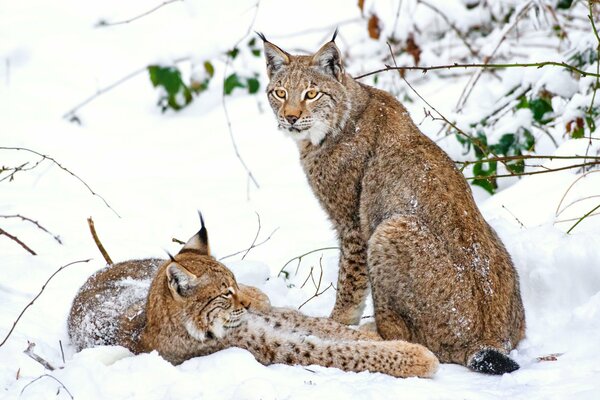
x=280 y=93
x=311 y=94
x=229 y=293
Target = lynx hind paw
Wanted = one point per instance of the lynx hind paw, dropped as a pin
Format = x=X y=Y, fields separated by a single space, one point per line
x=254 y=298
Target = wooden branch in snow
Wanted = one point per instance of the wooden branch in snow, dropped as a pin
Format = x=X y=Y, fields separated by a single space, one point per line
x=17 y=240
x=59 y=165
x=103 y=23
x=29 y=351
x=37 y=296
x=36 y=223
x=98 y=242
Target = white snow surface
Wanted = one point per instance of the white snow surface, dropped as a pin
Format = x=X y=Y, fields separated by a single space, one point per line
x=156 y=170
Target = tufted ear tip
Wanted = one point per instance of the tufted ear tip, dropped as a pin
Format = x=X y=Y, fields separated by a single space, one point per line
x=334 y=34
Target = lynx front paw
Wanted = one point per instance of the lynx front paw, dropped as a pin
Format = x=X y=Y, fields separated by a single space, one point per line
x=254 y=299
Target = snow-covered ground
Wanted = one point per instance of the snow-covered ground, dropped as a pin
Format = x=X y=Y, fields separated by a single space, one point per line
x=156 y=170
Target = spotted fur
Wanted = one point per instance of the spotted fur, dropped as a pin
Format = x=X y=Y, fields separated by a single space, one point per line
x=406 y=220
x=195 y=307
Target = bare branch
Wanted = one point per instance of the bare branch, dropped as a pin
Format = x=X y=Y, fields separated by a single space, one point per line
x=255 y=237
x=70 y=115
x=103 y=24
x=56 y=237
x=451 y=25
x=38 y=295
x=17 y=240
x=46 y=157
x=582 y=218
x=317 y=285
x=299 y=258
x=254 y=244
x=545 y=171
x=48 y=376
x=98 y=242
x=29 y=351
x=224 y=103
x=480 y=65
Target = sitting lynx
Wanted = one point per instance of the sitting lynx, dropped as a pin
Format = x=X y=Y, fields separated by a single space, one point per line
x=194 y=307
x=405 y=217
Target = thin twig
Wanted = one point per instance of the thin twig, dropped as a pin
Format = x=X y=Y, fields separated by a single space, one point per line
x=36 y=223
x=29 y=351
x=224 y=103
x=299 y=258
x=104 y=23
x=583 y=165
x=254 y=246
x=460 y=35
x=514 y=216
x=527 y=157
x=582 y=218
x=17 y=240
x=473 y=81
x=479 y=65
x=38 y=295
x=62 y=351
x=70 y=115
x=557 y=212
x=317 y=286
x=49 y=376
x=255 y=237
x=98 y=242
x=175 y=240
x=66 y=170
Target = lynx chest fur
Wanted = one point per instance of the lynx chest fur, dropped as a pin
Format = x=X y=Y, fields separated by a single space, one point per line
x=407 y=223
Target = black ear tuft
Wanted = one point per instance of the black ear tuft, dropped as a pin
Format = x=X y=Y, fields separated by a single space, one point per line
x=261 y=36
x=202 y=233
x=334 y=34
x=171 y=256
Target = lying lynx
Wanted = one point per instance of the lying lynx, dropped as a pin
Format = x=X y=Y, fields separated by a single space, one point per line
x=195 y=307
x=405 y=216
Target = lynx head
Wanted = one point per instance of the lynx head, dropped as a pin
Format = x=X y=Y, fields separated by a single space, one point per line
x=307 y=93
x=202 y=291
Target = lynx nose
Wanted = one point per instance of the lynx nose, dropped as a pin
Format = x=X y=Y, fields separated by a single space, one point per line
x=291 y=119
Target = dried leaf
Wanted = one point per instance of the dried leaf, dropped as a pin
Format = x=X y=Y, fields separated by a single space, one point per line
x=549 y=357
x=413 y=48
x=374 y=27
x=361 y=5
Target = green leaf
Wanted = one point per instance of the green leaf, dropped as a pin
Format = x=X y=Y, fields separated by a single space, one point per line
x=253 y=85
x=167 y=77
x=256 y=52
x=252 y=42
x=564 y=4
x=484 y=183
x=232 y=82
x=590 y=123
x=539 y=107
x=478 y=144
x=480 y=171
x=523 y=103
x=233 y=53
x=529 y=140
x=578 y=133
x=517 y=167
x=507 y=141
x=208 y=67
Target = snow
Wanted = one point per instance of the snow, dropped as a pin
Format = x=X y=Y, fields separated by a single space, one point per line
x=156 y=170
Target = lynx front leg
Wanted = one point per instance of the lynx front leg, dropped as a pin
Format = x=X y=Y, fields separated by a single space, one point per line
x=353 y=283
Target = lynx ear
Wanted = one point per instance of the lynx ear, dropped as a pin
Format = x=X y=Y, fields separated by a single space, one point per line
x=275 y=57
x=329 y=60
x=199 y=242
x=180 y=280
